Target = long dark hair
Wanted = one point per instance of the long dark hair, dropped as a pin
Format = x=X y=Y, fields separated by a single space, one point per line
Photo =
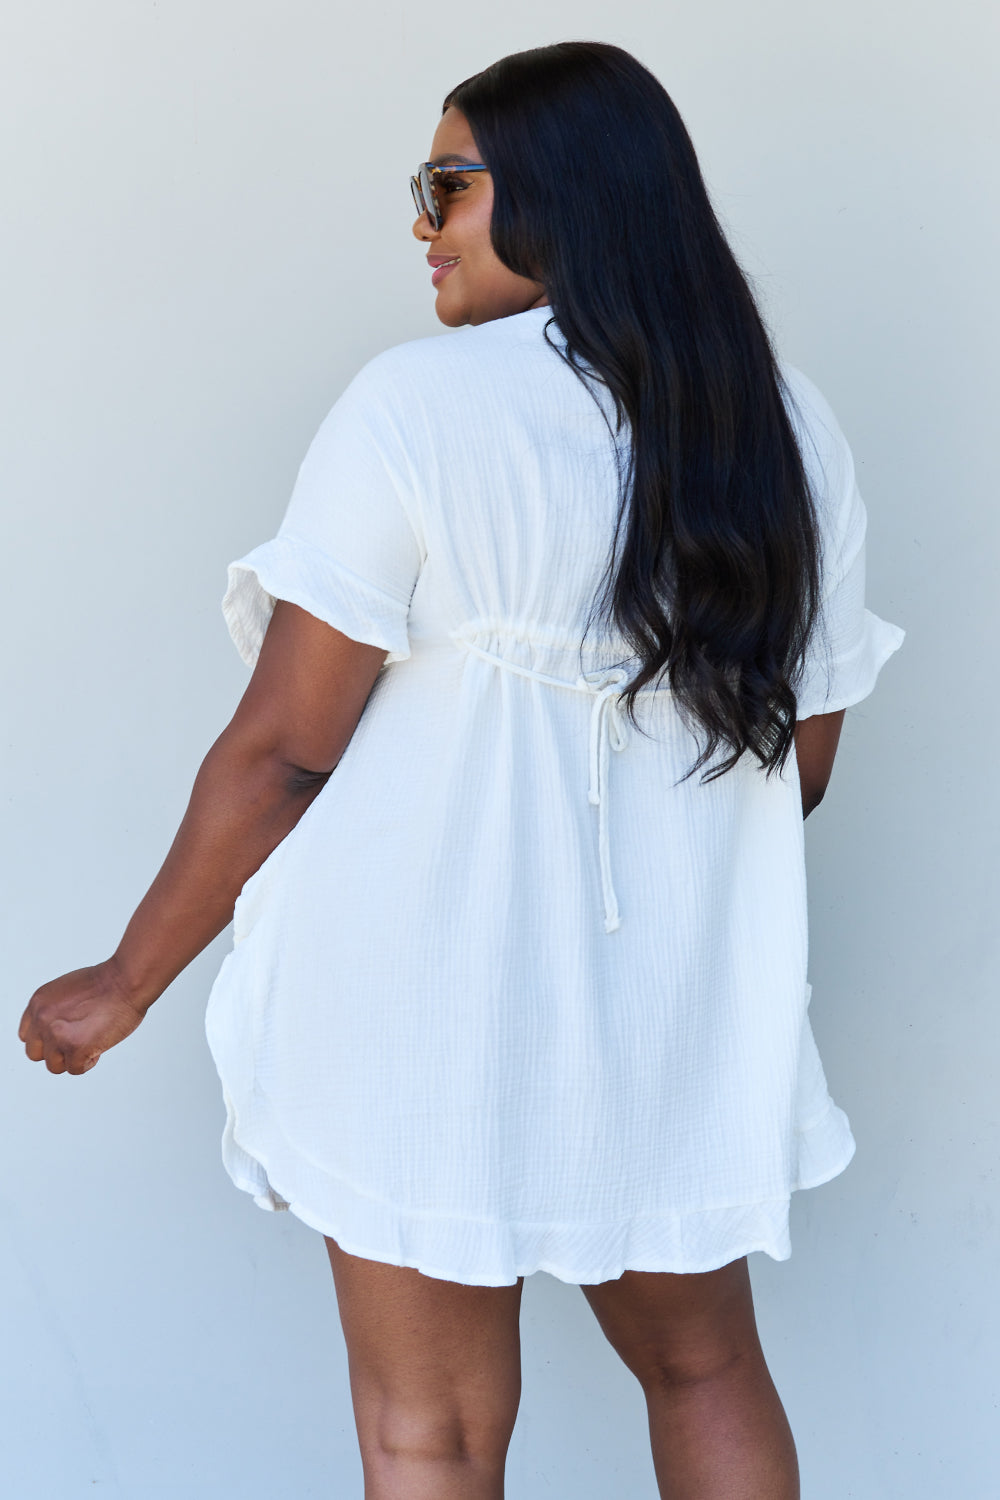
x=713 y=575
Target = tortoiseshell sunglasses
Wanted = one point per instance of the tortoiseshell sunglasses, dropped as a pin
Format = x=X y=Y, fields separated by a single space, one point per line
x=422 y=187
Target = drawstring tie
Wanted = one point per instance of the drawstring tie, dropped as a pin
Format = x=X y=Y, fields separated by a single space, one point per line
x=608 y=729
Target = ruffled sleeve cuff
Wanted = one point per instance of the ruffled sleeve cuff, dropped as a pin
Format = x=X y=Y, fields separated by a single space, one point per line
x=288 y=568
x=841 y=682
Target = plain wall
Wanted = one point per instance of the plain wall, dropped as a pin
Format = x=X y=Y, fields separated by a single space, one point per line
x=206 y=233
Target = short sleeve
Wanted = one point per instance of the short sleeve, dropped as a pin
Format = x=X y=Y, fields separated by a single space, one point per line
x=349 y=549
x=849 y=645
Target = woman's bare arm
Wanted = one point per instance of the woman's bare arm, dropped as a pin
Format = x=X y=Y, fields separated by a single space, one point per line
x=816 y=741
x=290 y=729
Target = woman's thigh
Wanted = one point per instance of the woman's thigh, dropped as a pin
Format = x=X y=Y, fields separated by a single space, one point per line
x=673 y=1329
x=435 y=1366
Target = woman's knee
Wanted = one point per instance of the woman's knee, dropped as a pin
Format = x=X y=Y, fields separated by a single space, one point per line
x=441 y=1438
x=678 y=1331
x=448 y=1430
x=435 y=1366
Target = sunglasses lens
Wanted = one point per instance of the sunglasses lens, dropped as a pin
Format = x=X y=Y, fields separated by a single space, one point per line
x=432 y=206
x=418 y=197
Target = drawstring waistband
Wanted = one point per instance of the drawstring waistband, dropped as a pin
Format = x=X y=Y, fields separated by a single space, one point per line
x=608 y=728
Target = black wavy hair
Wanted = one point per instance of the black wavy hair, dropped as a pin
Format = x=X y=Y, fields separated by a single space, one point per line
x=713 y=575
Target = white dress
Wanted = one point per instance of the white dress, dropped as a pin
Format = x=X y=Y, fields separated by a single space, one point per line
x=512 y=996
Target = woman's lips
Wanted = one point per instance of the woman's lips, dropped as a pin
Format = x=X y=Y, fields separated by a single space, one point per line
x=440 y=272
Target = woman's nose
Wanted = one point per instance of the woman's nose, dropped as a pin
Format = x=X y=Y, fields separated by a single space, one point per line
x=423 y=229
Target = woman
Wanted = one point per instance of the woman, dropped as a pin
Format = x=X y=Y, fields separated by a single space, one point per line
x=480 y=1020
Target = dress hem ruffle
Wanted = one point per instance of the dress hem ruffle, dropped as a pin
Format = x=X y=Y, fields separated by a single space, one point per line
x=480 y=1252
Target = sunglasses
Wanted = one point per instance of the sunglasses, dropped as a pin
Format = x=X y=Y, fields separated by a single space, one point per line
x=424 y=193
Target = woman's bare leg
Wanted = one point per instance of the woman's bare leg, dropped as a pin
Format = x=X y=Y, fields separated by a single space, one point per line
x=717 y=1427
x=435 y=1372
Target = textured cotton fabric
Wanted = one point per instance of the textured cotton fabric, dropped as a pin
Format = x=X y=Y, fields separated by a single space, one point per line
x=513 y=996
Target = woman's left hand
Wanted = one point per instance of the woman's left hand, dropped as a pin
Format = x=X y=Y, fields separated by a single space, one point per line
x=71 y=1020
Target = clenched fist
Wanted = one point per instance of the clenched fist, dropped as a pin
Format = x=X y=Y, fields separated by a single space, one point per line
x=70 y=1021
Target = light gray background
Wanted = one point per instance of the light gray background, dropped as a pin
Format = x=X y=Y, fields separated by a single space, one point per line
x=207 y=231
